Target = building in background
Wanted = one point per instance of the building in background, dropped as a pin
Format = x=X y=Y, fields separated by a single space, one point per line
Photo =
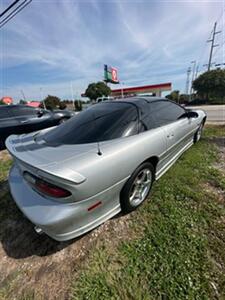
x=154 y=90
x=33 y=103
x=7 y=100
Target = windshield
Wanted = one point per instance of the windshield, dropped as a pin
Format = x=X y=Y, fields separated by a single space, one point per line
x=100 y=122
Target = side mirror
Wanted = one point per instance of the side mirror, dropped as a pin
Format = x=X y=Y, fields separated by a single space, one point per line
x=191 y=114
x=40 y=113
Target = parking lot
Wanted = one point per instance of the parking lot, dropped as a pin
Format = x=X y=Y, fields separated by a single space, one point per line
x=215 y=113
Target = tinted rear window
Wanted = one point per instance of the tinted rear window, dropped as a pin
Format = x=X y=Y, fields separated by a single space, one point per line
x=101 y=122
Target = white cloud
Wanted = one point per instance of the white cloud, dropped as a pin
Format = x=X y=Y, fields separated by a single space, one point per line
x=149 y=42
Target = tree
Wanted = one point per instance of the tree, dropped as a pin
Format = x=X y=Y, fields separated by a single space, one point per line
x=62 y=105
x=78 y=105
x=211 y=85
x=174 y=96
x=51 y=102
x=23 y=101
x=95 y=90
x=183 y=98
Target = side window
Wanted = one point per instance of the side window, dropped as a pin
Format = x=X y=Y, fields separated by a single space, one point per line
x=165 y=112
x=146 y=119
x=23 y=111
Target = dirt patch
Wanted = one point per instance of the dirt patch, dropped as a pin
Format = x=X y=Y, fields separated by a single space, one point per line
x=4 y=155
x=218 y=192
x=220 y=142
x=37 y=266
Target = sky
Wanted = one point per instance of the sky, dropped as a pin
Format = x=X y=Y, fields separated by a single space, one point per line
x=59 y=47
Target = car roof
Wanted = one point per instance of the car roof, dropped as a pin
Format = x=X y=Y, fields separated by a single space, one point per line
x=140 y=101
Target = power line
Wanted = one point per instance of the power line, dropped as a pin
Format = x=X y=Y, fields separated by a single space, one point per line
x=218 y=48
x=2 y=21
x=222 y=40
x=202 y=53
x=222 y=12
x=8 y=8
x=14 y=13
x=218 y=65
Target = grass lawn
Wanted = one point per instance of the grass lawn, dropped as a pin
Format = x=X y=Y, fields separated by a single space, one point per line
x=178 y=245
x=4 y=169
x=172 y=247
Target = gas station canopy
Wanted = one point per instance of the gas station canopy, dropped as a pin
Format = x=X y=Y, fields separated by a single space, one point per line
x=155 y=89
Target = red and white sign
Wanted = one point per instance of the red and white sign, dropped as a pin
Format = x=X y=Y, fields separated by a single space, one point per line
x=114 y=75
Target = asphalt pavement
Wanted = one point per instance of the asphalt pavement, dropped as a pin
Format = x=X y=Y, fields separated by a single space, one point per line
x=215 y=113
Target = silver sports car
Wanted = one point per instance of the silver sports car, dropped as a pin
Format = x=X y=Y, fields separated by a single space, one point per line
x=71 y=178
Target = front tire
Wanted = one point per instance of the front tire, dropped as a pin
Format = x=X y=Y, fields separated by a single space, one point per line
x=137 y=188
x=198 y=134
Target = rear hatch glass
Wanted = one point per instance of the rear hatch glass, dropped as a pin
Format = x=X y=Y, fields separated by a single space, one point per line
x=101 y=122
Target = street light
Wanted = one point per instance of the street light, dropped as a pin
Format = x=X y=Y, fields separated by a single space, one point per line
x=42 y=98
x=122 y=95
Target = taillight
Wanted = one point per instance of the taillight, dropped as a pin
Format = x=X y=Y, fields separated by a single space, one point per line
x=46 y=187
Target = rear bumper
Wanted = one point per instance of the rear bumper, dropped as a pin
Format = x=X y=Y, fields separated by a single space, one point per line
x=63 y=221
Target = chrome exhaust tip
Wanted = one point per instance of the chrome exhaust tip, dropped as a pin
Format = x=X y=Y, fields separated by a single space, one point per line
x=38 y=230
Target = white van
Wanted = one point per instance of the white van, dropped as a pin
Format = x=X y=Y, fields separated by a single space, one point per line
x=104 y=98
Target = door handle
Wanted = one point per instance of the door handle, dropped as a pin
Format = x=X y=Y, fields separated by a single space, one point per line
x=23 y=122
x=170 y=136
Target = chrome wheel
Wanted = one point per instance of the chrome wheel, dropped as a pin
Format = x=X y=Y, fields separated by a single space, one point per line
x=141 y=187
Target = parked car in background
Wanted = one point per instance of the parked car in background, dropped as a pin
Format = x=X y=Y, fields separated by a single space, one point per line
x=102 y=99
x=69 y=179
x=196 y=102
x=63 y=114
x=17 y=119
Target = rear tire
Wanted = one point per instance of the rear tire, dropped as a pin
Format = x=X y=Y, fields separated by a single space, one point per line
x=198 y=133
x=63 y=120
x=137 y=188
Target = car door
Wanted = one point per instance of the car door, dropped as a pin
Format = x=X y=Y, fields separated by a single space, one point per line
x=8 y=124
x=177 y=127
x=23 y=115
x=30 y=119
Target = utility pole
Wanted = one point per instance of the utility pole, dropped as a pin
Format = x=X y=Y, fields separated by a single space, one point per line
x=122 y=94
x=188 y=80
x=42 y=98
x=24 y=98
x=196 y=73
x=193 y=76
x=72 y=94
x=212 y=41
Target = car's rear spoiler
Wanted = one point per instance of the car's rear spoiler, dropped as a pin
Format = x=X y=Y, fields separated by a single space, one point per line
x=39 y=163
